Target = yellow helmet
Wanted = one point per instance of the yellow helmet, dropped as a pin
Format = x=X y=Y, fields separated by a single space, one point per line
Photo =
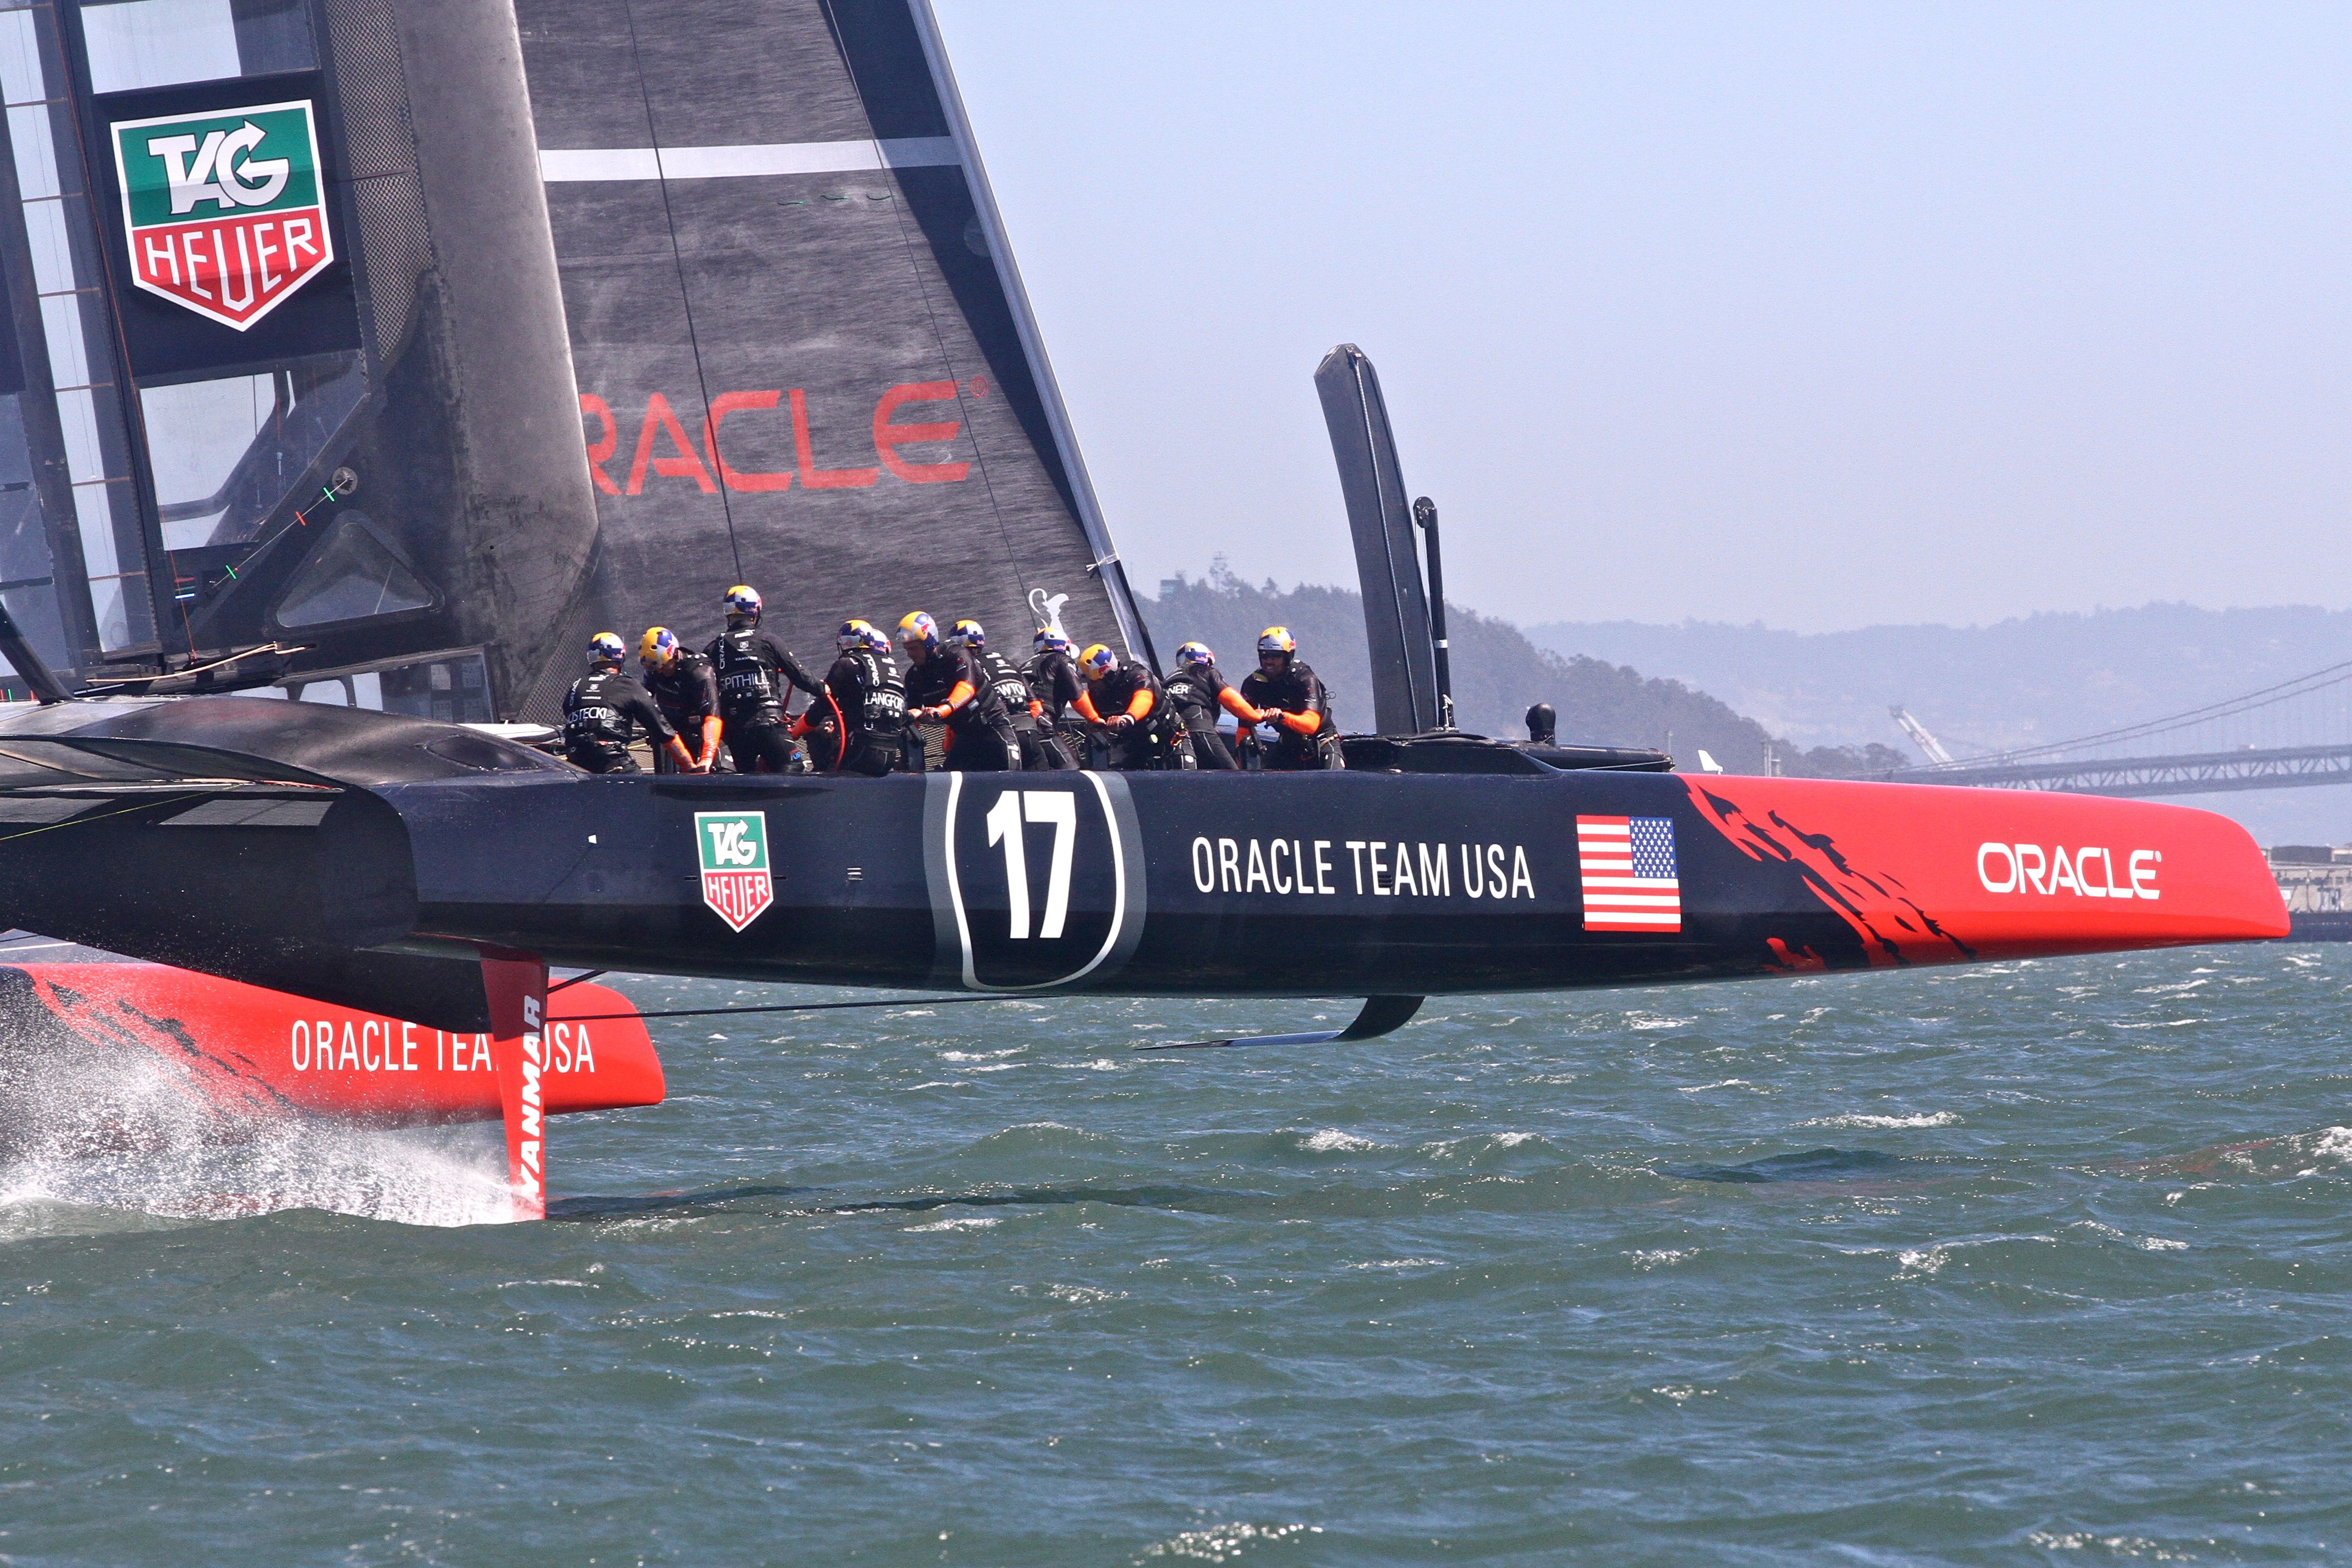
x=916 y=626
x=658 y=647
x=1276 y=639
x=1097 y=660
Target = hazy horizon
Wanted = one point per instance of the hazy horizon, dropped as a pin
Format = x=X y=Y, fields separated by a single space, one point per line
x=1827 y=315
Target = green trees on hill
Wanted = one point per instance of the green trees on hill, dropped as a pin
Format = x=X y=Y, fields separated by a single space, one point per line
x=1498 y=675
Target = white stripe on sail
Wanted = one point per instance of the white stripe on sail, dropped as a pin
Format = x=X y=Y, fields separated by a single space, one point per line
x=1632 y=918
x=588 y=164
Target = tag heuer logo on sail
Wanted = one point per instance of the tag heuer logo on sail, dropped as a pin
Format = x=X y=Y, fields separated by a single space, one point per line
x=226 y=210
x=736 y=882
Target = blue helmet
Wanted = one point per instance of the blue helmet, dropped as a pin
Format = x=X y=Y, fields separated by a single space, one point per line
x=743 y=600
x=1047 y=637
x=971 y=634
x=1195 y=654
x=875 y=642
x=607 y=648
x=857 y=634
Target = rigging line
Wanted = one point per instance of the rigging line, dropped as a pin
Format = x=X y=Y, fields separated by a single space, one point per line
x=577 y=979
x=200 y=669
x=678 y=258
x=801 y=1008
x=81 y=821
x=923 y=288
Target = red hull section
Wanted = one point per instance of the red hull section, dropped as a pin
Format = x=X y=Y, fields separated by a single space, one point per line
x=255 y=1050
x=1924 y=875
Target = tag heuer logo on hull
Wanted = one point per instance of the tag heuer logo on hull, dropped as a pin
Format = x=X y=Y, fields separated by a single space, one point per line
x=226 y=210
x=736 y=882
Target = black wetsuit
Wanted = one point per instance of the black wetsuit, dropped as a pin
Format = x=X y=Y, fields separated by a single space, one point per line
x=854 y=727
x=1295 y=690
x=601 y=713
x=1148 y=742
x=1012 y=689
x=1194 y=691
x=1053 y=682
x=980 y=732
x=752 y=667
x=687 y=692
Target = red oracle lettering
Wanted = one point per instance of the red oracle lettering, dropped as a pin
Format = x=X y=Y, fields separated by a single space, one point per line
x=889 y=436
x=600 y=452
x=812 y=476
x=685 y=465
x=721 y=406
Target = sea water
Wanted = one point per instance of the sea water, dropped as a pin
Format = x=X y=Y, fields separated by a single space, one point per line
x=2030 y=1262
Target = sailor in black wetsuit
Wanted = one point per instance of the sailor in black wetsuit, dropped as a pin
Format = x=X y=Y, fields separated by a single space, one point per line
x=682 y=685
x=1197 y=689
x=604 y=709
x=1298 y=735
x=856 y=725
x=1054 y=687
x=1126 y=700
x=753 y=668
x=1543 y=726
x=944 y=685
x=1012 y=688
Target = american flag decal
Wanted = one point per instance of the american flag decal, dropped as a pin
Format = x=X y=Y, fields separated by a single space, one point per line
x=1628 y=864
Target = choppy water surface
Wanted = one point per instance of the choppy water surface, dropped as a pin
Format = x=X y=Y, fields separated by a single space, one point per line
x=2027 y=1263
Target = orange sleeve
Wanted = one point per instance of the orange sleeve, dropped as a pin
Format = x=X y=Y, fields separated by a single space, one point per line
x=1240 y=709
x=964 y=692
x=1086 y=705
x=1140 y=704
x=1303 y=722
x=1036 y=708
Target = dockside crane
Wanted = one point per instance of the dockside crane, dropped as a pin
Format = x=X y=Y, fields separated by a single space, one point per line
x=1919 y=736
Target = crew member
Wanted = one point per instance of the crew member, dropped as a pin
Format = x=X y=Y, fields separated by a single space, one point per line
x=1197 y=689
x=753 y=668
x=1054 y=688
x=1012 y=688
x=1126 y=700
x=1297 y=735
x=603 y=708
x=853 y=727
x=944 y=685
x=682 y=685
x=1543 y=726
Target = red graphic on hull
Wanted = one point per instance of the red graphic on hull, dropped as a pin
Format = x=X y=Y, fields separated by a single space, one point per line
x=249 y=1052
x=1919 y=875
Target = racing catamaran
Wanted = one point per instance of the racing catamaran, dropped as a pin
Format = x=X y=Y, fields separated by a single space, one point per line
x=371 y=356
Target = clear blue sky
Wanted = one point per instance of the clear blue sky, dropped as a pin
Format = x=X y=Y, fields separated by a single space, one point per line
x=1818 y=315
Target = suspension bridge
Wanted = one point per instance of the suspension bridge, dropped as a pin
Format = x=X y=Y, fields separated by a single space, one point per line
x=2293 y=735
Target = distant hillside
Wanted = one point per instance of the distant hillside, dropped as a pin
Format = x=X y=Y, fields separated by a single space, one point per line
x=1497 y=674
x=1978 y=688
